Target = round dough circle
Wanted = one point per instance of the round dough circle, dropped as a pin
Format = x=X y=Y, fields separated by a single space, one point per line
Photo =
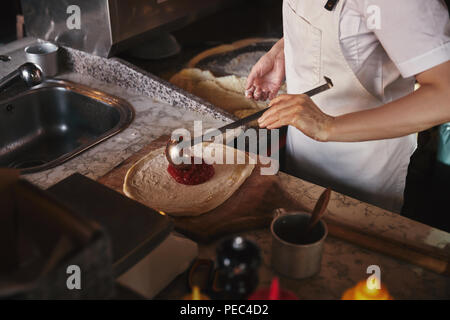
x=148 y=182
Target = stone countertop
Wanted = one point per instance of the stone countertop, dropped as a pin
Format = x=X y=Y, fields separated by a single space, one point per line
x=161 y=108
x=153 y=118
x=344 y=264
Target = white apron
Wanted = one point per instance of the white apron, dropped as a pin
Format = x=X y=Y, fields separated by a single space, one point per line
x=373 y=171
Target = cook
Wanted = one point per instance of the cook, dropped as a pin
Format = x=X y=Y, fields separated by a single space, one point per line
x=358 y=136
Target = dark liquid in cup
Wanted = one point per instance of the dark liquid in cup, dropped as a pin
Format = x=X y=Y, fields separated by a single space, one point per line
x=291 y=228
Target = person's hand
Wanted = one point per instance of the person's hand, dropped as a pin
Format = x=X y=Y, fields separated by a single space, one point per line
x=300 y=111
x=267 y=74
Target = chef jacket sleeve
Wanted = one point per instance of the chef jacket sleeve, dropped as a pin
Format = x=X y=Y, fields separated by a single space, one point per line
x=414 y=33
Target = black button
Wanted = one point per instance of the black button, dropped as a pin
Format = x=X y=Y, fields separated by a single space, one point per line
x=331 y=4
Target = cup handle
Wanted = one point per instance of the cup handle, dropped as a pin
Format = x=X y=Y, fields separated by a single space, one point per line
x=278 y=212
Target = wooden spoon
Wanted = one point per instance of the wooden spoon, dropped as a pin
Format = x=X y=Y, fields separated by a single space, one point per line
x=318 y=211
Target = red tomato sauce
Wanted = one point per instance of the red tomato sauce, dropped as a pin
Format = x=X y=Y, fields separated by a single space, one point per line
x=197 y=174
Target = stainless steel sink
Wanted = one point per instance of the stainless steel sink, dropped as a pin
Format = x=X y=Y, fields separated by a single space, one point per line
x=53 y=122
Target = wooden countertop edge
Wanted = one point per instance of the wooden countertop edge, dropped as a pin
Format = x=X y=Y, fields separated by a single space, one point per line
x=334 y=214
x=433 y=261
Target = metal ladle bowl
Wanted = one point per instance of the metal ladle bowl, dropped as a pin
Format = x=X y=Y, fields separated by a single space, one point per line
x=174 y=156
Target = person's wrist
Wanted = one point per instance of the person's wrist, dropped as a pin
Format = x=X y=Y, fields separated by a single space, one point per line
x=277 y=49
x=280 y=44
x=330 y=129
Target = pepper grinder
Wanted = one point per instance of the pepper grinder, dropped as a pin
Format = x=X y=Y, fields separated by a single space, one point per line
x=238 y=260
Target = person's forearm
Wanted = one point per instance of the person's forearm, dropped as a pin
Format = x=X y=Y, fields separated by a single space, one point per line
x=418 y=111
x=277 y=48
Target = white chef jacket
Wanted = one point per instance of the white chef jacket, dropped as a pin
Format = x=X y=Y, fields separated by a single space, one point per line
x=414 y=36
x=376 y=66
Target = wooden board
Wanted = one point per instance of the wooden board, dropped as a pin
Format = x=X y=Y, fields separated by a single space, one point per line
x=250 y=207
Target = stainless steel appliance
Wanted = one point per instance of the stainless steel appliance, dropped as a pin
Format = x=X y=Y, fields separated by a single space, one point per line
x=105 y=27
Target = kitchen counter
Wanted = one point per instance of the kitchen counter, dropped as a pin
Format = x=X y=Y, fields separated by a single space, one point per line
x=344 y=264
x=160 y=108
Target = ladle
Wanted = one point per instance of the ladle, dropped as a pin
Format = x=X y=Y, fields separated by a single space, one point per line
x=174 y=147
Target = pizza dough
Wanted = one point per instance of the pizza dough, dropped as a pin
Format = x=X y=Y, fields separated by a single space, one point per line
x=226 y=48
x=148 y=181
x=226 y=92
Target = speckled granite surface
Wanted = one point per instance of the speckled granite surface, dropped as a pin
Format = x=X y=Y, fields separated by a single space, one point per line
x=125 y=75
x=343 y=265
x=160 y=108
x=153 y=119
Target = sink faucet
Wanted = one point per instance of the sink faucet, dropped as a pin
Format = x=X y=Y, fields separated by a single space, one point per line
x=28 y=73
x=4 y=58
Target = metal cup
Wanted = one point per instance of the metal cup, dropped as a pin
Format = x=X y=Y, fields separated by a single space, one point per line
x=292 y=255
x=45 y=56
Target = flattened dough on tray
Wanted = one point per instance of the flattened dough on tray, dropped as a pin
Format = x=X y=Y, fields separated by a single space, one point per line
x=148 y=182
